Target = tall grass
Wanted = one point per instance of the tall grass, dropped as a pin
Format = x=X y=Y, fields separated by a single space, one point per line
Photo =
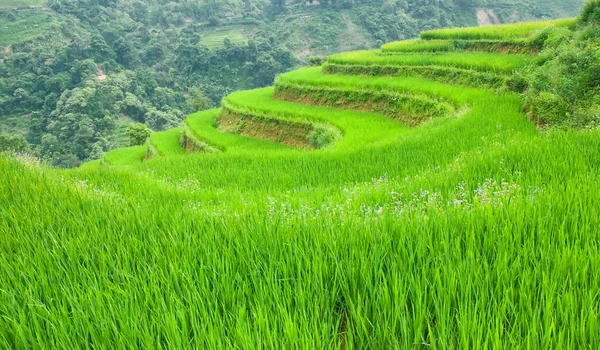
x=167 y=142
x=456 y=257
x=126 y=156
x=504 y=31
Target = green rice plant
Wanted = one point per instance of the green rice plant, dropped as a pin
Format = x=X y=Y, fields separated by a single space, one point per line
x=239 y=120
x=499 y=32
x=358 y=128
x=458 y=230
x=411 y=109
x=449 y=75
x=486 y=62
x=191 y=143
x=126 y=156
x=167 y=142
x=512 y=46
x=417 y=45
x=151 y=150
x=505 y=46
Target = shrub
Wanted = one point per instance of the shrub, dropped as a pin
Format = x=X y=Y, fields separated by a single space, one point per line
x=590 y=13
x=138 y=133
x=316 y=61
x=548 y=108
x=323 y=135
x=564 y=78
x=10 y=143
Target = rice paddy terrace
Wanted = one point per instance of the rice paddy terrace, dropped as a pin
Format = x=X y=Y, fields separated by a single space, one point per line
x=396 y=198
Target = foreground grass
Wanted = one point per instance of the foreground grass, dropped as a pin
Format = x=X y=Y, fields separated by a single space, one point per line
x=232 y=281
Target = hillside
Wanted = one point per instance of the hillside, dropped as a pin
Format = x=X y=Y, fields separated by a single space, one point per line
x=396 y=198
x=76 y=73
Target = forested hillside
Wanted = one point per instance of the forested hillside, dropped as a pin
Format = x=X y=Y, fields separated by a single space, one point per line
x=76 y=73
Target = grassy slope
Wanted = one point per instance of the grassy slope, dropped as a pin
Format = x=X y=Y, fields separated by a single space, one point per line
x=126 y=156
x=167 y=142
x=471 y=231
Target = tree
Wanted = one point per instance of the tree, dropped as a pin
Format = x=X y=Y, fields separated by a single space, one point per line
x=159 y=120
x=132 y=107
x=278 y=5
x=198 y=100
x=590 y=13
x=10 y=143
x=138 y=133
x=82 y=71
x=125 y=52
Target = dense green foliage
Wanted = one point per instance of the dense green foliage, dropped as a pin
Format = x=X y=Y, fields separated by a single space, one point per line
x=138 y=133
x=10 y=143
x=564 y=79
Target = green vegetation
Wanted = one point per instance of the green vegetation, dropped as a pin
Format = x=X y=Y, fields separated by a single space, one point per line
x=138 y=134
x=203 y=125
x=167 y=142
x=564 y=78
x=125 y=156
x=10 y=143
x=475 y=61
x=423 y=209
x=418 y=45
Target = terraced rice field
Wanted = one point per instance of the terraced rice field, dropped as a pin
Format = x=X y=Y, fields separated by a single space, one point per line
x=28 y=26
x=214 y=39
x=22 y=3
x=362 y=210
